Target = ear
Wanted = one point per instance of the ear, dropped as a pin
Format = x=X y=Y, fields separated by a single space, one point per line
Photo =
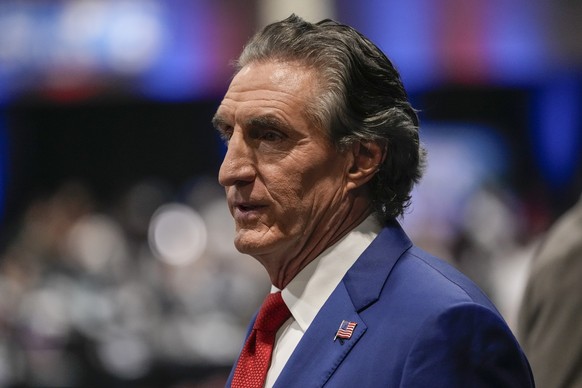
x=367 y=158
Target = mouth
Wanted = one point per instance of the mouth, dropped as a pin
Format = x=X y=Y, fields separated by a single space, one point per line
x=247 y=210
x=247 y=207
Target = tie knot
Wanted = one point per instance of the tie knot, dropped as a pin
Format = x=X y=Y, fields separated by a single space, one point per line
x=272 y=314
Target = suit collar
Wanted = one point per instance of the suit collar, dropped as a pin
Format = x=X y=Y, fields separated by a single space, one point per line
x=365 y=280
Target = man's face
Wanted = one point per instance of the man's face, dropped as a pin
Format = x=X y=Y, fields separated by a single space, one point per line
x=284 y=179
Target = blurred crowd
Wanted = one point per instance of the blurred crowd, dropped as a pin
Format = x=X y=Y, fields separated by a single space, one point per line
x=112 y=297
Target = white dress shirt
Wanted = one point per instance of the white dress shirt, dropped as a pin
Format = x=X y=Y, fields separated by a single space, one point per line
x=308 y=291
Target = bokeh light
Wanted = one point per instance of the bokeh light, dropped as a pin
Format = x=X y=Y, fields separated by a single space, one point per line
x=177 y=234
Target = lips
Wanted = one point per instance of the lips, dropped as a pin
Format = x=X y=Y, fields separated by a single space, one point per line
x=247 y=207
x=247 y=211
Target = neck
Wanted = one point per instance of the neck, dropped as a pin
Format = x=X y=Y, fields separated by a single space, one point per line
x=336 y=227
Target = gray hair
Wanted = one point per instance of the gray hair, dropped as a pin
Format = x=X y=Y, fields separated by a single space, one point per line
x=362 y=99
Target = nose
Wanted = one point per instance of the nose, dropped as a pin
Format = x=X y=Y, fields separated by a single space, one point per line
x=238 y=167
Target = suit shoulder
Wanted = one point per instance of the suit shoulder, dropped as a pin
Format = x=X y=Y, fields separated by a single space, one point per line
x=470 y=346
x=439 y=280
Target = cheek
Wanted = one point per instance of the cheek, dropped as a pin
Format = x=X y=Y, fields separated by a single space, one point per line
x=302 y=195
x=287 y=190
x=303 y=186
x=324 y=181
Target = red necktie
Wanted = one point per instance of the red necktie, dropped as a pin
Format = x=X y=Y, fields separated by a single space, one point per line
x=255 y=357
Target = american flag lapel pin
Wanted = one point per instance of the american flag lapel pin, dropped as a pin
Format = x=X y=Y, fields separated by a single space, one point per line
x=345 y=331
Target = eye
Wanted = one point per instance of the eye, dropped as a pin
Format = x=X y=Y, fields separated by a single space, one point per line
x=270 y=135
x=225 y=133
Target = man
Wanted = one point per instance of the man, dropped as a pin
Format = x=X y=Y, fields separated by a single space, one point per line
x=551 y=312
x=323 y=152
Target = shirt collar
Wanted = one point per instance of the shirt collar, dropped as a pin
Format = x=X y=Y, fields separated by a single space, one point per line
x=308 y=291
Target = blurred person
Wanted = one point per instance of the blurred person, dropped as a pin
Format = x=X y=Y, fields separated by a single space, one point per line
x=551 y=310
x=323 y=151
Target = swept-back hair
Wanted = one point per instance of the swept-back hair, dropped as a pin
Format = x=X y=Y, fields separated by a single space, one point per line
x=361 y=99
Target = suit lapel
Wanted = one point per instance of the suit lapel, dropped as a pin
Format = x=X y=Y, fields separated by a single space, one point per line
x=366 y=279
x=317 y=355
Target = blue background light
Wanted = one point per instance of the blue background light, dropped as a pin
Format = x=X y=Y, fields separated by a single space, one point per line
x=404 y=31
x=557 y=129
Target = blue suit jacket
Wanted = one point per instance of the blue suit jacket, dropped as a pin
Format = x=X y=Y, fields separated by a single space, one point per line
x=420 y=323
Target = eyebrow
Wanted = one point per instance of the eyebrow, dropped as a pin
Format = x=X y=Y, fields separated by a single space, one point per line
x=263 y=121
x=266 y=121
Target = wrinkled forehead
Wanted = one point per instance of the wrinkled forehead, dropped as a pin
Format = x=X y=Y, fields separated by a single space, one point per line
x=269 y=83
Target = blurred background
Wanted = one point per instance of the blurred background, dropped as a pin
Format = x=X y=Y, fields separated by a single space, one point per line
x=116 y=261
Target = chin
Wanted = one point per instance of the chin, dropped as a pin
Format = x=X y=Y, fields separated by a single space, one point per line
x=245 y=243
x=254 y=243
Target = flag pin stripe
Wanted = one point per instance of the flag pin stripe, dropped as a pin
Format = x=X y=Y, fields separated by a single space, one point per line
x=345 y=331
